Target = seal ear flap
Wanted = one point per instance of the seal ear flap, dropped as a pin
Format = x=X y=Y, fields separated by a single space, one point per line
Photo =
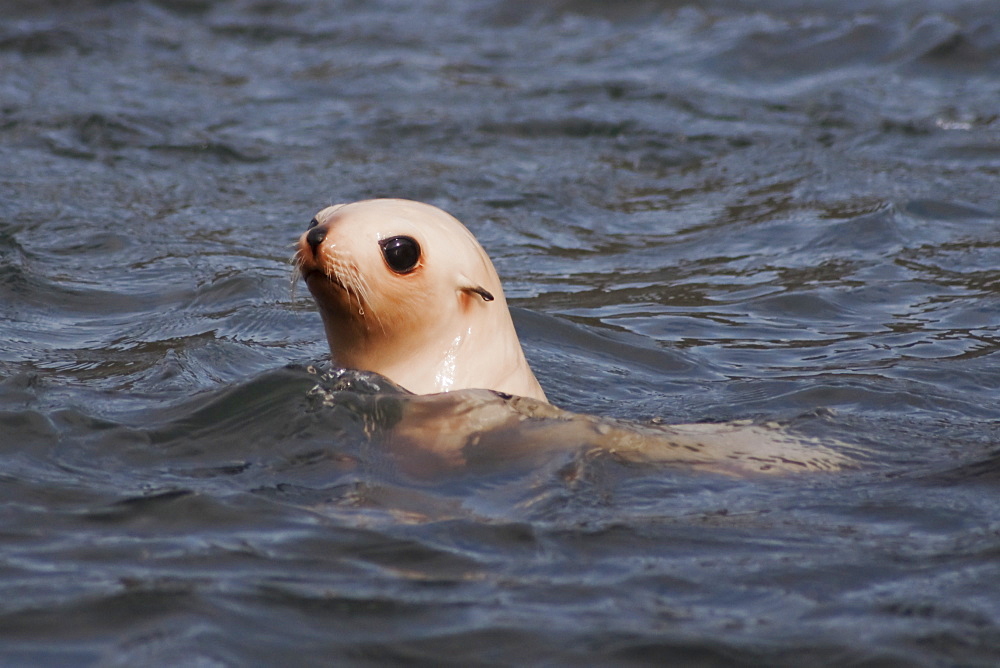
x=481 y=291
x=465 y=285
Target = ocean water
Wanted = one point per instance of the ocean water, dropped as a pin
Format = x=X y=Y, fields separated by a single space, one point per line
x=777 y=211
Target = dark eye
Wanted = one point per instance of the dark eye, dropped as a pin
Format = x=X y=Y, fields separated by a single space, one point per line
x=401 y=253
x=312 y=223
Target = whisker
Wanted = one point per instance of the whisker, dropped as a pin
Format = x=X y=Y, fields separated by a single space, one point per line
x=346 y=274
x=365 y=290
x=356 y=288
x=296 y=261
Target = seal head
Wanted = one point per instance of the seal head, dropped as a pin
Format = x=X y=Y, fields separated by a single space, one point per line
x=405 y=290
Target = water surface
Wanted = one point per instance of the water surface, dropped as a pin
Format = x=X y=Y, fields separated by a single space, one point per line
x=701 y=211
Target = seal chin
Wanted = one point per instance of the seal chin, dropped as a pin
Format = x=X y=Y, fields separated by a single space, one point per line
x=318 y=276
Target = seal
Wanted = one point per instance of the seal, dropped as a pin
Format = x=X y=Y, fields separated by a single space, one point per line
x=406 y=291
x=428 y=436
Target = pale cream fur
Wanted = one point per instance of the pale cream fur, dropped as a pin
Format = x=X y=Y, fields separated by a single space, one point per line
x=428 y=330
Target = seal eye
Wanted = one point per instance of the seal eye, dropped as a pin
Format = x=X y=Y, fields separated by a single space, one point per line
x=312 y=223
x=401 y=253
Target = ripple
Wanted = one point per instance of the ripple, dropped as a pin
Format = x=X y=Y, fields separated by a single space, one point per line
x=784 y=212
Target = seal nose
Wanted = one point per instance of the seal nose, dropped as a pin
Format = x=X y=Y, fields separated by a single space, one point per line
x=315 y=236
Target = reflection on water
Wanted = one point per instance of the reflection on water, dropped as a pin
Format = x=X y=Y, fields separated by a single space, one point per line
x=701 y=212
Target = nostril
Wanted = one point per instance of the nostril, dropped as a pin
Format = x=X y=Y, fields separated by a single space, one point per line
x=315 y=236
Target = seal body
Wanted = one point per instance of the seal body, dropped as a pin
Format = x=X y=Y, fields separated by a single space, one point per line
x=406 y=291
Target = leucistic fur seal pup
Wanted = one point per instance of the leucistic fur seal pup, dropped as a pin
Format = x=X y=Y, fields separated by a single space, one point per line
x=406 y=291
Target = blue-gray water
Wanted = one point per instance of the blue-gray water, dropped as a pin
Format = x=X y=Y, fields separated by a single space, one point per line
x=780 y=210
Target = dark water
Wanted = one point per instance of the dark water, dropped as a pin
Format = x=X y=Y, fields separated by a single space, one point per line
x=782 y=210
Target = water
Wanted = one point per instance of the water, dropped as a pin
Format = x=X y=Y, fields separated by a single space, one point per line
x=705 y=211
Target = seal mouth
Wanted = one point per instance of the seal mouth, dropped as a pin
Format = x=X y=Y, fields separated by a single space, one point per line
x=310 y=269
x=311 y=274
x=335 y=283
